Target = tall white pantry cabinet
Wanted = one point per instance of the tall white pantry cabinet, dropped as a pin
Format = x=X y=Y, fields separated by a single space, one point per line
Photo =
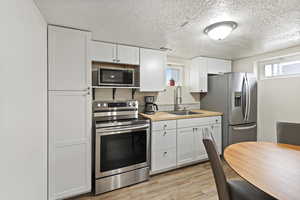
x=70 y=117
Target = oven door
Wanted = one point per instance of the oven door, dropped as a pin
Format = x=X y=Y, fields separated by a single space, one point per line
x=111 y=76
x=121 y=149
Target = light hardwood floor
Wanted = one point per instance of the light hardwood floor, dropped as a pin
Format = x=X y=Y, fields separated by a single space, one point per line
x=190 y=183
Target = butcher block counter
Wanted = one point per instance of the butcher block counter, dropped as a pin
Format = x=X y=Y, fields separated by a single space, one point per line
x=162 y=116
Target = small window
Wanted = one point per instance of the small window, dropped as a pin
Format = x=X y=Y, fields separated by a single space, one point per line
x=282 y=69
x=288 y=66
x=174 y=75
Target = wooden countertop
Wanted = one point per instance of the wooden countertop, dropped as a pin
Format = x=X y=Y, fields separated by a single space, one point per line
x=161 y=116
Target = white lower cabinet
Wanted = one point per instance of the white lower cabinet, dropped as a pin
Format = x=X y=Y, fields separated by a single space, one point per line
x=69 y=144
x=200 y=152
x=185 y=145
x=163 y=146
x=181 y=144
x=217 y=134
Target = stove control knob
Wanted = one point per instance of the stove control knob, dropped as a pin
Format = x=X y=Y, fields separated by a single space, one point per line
x=104 y=104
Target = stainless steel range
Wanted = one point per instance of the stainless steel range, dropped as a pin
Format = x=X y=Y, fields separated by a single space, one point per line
x=121 y=145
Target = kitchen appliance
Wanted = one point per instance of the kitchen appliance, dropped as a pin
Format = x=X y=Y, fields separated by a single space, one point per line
x=150 y=106
x=116 y=76
x=234 y=94
x=121 y=145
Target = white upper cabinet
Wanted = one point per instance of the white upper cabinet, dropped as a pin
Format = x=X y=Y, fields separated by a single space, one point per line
x=128 y=55
x=152 y=70
x=198 y=75
x=218 y=66
x=103 y=52
x=199 y=69
x=68 y=59
x=113 y=53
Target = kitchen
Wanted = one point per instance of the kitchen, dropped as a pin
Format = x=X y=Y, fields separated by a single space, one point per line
x=83 y=81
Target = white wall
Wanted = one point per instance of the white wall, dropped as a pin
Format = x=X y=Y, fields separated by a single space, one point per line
x=278 y=99
x=23 y=101
x=246 y=64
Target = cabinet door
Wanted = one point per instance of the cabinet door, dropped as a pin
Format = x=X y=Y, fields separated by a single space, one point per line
x=200 y=152
x=185 y=145
x=152 y=70
x=69 y=144
x=69 y=62
x=217 y=134
x=128 y=55
x=103 y=52
x=218 y=66
x=198 y=75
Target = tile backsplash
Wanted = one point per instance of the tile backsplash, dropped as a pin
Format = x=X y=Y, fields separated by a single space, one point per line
x=164 y=100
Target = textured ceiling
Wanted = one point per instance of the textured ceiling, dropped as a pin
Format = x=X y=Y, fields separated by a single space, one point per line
x=264 y=25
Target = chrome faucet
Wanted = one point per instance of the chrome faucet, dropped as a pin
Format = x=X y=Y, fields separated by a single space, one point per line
x=178 y=98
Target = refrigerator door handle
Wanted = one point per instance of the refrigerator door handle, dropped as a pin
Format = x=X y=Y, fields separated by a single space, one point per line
x=243 y=99
x=248 y=99
x=244 y=128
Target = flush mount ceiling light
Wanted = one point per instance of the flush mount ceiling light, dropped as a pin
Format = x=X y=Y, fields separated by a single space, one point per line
x=220 y=30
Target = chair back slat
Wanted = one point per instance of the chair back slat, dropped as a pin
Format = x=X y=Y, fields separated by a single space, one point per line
x=288 y=133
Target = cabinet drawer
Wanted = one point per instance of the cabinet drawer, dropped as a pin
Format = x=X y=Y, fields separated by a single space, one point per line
x=163 y=159
x=163 y=125
x=163 y=139
x=194 y=122
x=215 y=120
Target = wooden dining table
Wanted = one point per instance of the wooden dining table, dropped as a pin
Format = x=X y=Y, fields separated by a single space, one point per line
x=273 y=168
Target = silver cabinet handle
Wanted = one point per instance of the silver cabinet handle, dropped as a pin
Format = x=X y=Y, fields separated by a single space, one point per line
x=165 y=133
x=244 y=128
x=165 y=153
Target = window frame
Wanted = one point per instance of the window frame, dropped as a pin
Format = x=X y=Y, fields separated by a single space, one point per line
x=277 y=60
x=181 y=73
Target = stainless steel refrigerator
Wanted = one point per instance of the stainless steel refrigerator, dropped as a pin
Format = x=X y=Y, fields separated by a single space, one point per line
x=234 y=94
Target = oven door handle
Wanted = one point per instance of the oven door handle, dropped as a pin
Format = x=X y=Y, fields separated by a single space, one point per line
x=120 y=130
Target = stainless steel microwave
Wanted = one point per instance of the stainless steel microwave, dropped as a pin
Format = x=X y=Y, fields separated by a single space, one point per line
x=115 y=76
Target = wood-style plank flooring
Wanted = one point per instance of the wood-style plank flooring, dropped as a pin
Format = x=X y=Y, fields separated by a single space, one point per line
x=190 y=183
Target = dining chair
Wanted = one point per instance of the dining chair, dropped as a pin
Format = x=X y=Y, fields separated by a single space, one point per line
x=288 y=133
x=229 y=189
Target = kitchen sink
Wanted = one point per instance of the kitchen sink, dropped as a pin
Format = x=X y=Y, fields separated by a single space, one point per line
x=184 y=112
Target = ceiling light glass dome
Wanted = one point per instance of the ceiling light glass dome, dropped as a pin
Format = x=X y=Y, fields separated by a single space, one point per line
x=220 y=30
